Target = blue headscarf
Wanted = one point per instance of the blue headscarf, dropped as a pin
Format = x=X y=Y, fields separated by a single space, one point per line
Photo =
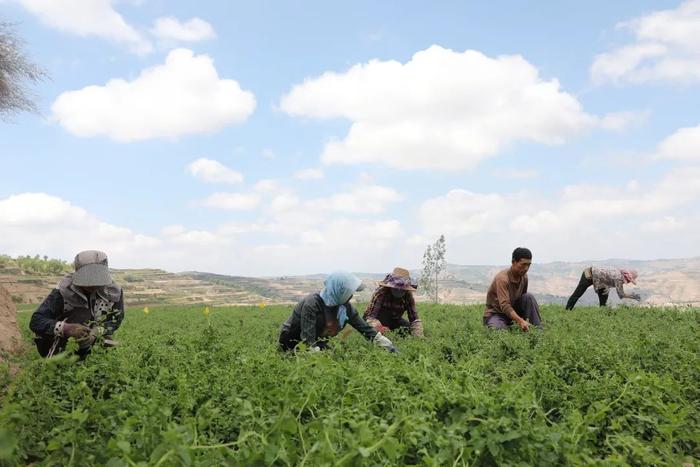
x=337 y=290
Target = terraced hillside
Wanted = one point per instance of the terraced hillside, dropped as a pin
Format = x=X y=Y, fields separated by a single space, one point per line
x=661 y=282
x=156 y=287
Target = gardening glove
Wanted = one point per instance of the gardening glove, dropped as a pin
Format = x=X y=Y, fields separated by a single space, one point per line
x=383 y=341
x=314 y=349
x=75 y=330
x=417 y=328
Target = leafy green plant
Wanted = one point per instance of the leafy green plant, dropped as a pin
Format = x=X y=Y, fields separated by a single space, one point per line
x=188 y=388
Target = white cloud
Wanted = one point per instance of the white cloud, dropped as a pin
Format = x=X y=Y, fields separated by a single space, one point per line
x=309 y=174
x=619 y=121
x=179 y=236
x=284 y=203
x=38 y=209
x=442 y=109
x=267 y=185
x=682 y=145
x=37 y=222
x=181 y=97
x=582 y=205
x=231 y=201
x=666 y=48
x=370 y=199
x=577 y=209
x=212 y=171
x=462 y=212
x=88 y=18
x=631 y=220
x=171 y=29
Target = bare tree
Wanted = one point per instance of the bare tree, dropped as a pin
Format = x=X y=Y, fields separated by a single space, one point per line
x=434 y=264
x=16 y=71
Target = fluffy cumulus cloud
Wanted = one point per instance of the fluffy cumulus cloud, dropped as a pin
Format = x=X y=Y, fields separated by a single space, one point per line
x=183 y=96
x=86 y=18
x=442 y=109
x=41 y=223
x=582 y=221
x=38 y=222
x=666 y=48
x=170 y=29
x=211 y=171
x=99 y=18
x=682 y=145
x=462 y=212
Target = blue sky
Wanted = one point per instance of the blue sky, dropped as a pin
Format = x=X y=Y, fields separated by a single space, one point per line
x=269 y=138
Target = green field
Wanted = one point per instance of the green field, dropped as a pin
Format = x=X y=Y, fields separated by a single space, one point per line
x=608 y=387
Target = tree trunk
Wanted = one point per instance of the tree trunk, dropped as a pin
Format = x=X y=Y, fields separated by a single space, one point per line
x=436 y=288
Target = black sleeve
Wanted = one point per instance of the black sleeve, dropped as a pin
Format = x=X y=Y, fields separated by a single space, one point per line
x=309 y=314
x=44 y=318
x=115 y=316
x=360 y=324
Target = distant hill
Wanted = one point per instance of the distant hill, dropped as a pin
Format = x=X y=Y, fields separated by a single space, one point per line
x=661 y=282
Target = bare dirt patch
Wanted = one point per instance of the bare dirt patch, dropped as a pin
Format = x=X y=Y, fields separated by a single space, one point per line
x=10 y=337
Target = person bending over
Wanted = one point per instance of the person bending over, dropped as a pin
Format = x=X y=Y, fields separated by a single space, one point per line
x=390 y=301
x=87 y=305
x=320 y=316
x=602 y=280
x=507 y=299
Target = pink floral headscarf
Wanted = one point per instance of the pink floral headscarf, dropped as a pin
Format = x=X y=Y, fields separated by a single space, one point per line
x=630 y=275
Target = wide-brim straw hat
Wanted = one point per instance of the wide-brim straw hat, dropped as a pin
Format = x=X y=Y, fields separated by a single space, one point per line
x=399 y=278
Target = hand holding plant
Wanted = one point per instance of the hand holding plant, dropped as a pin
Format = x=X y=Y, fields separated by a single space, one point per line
x=75 y=330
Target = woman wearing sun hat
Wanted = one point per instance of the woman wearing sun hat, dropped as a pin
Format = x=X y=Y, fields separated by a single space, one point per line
x=602 y=279
x=391 y=300
x=320 y=316
x=85 y=305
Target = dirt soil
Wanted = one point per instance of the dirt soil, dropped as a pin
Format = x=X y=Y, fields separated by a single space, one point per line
x=10 y=337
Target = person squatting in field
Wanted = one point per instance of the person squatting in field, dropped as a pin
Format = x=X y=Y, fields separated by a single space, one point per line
x=507 y=299
x=390 y=301
x=322 y=315
x=602 y=280
x=87 y=305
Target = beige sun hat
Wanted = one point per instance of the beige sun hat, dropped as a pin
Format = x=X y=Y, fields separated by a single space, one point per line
x=91 y=269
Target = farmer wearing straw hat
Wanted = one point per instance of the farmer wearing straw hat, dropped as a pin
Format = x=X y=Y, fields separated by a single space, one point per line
x=87 y=305
x=603 y=280
x=320 y=316
x=391 y=300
